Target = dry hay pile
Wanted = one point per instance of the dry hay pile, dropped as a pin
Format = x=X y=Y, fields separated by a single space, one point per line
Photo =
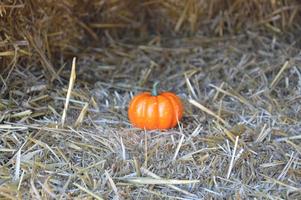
x=48 y=32
x=240 y=137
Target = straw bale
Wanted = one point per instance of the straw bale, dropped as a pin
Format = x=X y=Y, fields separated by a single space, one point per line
x=45 y=32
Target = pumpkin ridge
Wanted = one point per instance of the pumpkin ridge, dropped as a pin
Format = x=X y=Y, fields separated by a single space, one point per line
x=158 y=114
x=179 y=105
x=152 y=113
x=172 y=106
x=176 y=108
x=133 y=106
x=145 y=113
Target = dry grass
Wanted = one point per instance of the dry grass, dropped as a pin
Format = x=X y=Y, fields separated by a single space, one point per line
x=46 y=33
x=242 y=142
x=64 y=132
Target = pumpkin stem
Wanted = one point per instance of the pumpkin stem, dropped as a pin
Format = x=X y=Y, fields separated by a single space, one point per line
x=155 y=91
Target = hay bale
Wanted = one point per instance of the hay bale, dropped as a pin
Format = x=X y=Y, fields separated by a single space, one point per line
x=41 y=32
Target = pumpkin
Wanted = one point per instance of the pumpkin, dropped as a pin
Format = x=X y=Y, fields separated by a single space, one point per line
x=155 y=110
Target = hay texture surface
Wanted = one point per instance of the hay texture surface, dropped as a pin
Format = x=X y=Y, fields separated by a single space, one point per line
x=64 y=131
x=248 y=146
x=46 y=33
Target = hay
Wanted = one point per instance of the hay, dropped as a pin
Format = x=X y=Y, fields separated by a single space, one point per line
x=104 y=157
x=68 y=137
x=46 y=33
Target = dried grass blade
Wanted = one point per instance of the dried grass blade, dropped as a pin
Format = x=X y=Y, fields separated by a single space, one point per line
x=151 y=174
x=232 y=158
x=17 y=165
x=292 y=188
x=206 y=110
x=182 y=17
x=81 y=116
x=236 y=96
x=21 y=114
x=189 y=155
x=226 y=131
x=112 y=184
x=277 y=77
x=178 y=147
x=190 y=86
x=263 y=133
x=71 y=83
x=153 y=181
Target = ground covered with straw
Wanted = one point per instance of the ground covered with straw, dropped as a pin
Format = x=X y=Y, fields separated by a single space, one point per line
x=239 y=138
x=68 y=70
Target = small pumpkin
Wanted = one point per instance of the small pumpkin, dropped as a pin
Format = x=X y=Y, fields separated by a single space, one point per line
x=155 y=110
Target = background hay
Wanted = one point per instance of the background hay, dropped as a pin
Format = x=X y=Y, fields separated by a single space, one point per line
x=46 y=32
x=64 y=133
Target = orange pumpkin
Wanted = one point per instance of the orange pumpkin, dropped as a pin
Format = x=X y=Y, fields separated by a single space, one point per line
x=155 y=111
